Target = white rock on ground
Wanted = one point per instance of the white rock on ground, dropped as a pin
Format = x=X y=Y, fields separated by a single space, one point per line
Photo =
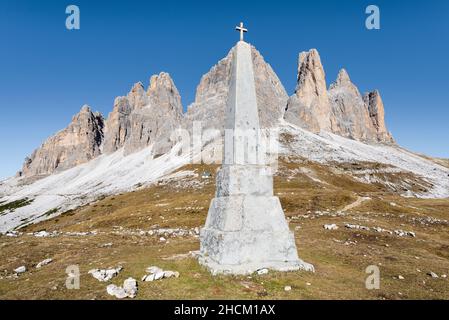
x=159 y=275
x=116 y=291
x=432 y=274
x=105 y=275
x=156 y=273
x=262 y=271
x=129 y=289
x=20 y=270
x=330 y=226
x=44 y=263
x=148 y=277
x=41 y=234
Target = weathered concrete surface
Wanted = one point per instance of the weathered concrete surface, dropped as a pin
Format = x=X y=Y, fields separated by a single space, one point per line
x=245 y=228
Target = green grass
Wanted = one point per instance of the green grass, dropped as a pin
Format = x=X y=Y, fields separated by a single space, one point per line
x=11 y=206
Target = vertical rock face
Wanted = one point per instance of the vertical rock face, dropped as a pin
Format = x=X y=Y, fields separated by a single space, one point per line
x=309 y=106
x=377 y=114
x=349 y=116
x=117 y=126
x=340 y=110
x=212 y=93
x=155 y=122
x=149 y=116
x=145 y=118
x=76 y=144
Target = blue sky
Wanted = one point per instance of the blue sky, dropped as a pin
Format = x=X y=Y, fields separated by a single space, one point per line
x=47 y=72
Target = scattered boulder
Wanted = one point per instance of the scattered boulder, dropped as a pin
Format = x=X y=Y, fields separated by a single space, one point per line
x=106 y=245
x=129 y=289
x=170 y=274
x=148 y=277
x=156 y=273
x=13 y=234
x=432 y=274
x=356 y=226
x=44 y=263
x=41 y=234
x=402 y=233
x=287 y=288
x=21 y=269
x=116 y=291
x=330 y=226
x=262 y=271
x=400 y=277
x=104 y=275
x=159 y=275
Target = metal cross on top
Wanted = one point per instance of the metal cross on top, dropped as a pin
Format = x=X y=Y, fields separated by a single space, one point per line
x=242 y=30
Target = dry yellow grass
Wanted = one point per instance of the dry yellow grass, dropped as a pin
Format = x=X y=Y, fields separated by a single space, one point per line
x=309 y=193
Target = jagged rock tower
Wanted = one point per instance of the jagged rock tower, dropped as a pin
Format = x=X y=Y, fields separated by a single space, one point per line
x=246 y=229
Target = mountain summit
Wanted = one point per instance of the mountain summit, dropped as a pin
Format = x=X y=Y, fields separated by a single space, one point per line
x=341 y=109
x=331 y=126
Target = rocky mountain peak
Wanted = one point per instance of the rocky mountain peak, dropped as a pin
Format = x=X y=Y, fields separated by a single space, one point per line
x=311 y=77
x=85 y=109
x=144 y=118
x=163 y=93
x=340 y=110
x=309 y=106
x=147 y=116
x=137 y=97
x=343 y=82
x=78 y=143
x=342 y=78
x=376 y=112
x=212 y=93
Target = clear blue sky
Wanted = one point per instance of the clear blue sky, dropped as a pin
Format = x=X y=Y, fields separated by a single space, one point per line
x=47 y=72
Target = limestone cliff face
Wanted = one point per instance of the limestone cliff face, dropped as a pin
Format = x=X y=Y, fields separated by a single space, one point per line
x=349 y=117
x=309 y=107
x=377 y=114
x=212 y=93
x=149 y=116
x=341 y=109
x=154 y=123
x=144 y=118
x=76 y=144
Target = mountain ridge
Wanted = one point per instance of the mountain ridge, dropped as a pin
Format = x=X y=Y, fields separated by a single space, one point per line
x=144 y=117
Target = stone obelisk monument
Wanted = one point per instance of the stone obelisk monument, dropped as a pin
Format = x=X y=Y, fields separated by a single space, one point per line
x=246 y=229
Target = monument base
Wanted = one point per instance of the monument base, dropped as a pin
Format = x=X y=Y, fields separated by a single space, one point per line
x=249 y=268
x=245 y=243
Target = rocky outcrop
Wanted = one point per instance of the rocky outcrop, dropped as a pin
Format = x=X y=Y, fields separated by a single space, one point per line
x=117 y=126
x=309 y=107
x=212 y=93
x=341 y=109
x=377 y=114
x=76 y=144
x=149 y=117
x=349 y=117
x=145 y=118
